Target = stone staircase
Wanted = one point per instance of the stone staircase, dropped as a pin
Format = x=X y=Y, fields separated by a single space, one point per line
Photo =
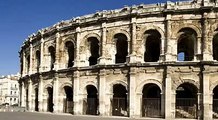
x=184 y=113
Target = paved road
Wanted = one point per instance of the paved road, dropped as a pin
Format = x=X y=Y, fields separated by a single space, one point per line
x=50 y=116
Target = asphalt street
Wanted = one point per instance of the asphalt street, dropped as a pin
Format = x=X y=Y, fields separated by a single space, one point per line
x=51 y=116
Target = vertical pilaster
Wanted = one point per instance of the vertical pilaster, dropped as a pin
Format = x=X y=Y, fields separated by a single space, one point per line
x=169 y=45
x=31 y=59
x=132 y=56
x=102 y=95
x=41 y=55
x=30 y=87
x=56 y=93
x=40 y=93
x=168 y=95
x=57 y=51
x=76 y=97
x=206 y=42
x=207 y=114
x=77 y=60
x=103 y=44
x=22 y=94
x=132 y=92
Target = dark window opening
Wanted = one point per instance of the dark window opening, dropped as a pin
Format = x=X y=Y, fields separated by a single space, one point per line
x=215 y=47
x=121 y=47
x=94 y=49
x=92 y=100
x=119 y=102
x=152 y=46
x=186 y=101
x=50 y=103
x=151 y=102
x=36 y=99
x=52 y=55
x=213 y=1
x=28 y=63
x=70 y=50
x=37 y=60
x=68 y=101
x=186 y=44
x=215 y=102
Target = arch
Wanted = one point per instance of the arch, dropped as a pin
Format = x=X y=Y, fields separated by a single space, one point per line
x=152 y=45
x=176 y=34
x=68 y=100
x=46 y=86
x=90 y=83
x=151 y=100
x=119 y=102
x=70 y=48
x=94 y=49
x=52 y=51
x=36 y=90
x=151 y=27
x=121 y=48
x=63 y=85
x=182 y=81
x=214 y=46
x=213 y=85
x=50 y=103
x=139 y=88
x=38 y=59
x=187 y=43
x=84 y=41
x=92 y=100
x=122 y=31
x=186 y=101
x=111 y=84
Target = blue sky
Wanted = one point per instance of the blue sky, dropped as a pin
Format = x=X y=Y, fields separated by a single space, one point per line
x=20 y=18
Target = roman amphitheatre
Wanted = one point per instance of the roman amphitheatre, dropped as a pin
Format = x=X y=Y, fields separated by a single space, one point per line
x=143 y=61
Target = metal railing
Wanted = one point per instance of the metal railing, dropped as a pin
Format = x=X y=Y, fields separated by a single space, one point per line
x=186 y=108
x=90 y=106
x=68 y=106
x=151 y=107
x=119 y=107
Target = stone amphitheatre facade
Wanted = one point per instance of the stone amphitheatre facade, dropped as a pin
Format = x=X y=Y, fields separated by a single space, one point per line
x=150 y=61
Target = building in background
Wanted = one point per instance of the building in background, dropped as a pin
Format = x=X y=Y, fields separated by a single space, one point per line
x=9 y=90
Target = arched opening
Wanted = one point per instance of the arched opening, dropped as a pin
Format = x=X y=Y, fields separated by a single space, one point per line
x=52 y=56
x=151 y=101
x=121 y=47
x=68 y=100
x=215 y=102
x=50 y=103
x=28 y=63
x=186 y=101
x=186 y=44
x=38 y=60
x=92 y=100
x=36 y=99
x=215 y=47
x=94 y=49
x=27 y=98
x=119 y=102
x=152 y=46
x=70 y=50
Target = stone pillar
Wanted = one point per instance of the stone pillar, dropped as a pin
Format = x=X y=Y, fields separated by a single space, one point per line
x=40 y=93
x=168 y=96
x=169 y=45
x=76 y=97
x=102 y=95
x=57 y=52
x=55 y=93
x=22 y=94
x=77 y=58
x=30 y=87
x=132 y=93
x=41 y=55
x=103 y=44
x=132 y=56
x=207 y=55
x=162 y=49
x=31 y=60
